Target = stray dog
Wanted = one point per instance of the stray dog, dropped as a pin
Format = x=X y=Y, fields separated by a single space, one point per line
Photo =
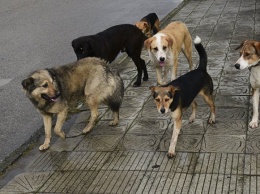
x=250 y=58
x=180 y=94
x=55 y=90
x=108 y=43
x=148 y=24
x=165 y=46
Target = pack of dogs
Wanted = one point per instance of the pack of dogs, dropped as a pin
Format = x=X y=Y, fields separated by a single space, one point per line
x=54 y=91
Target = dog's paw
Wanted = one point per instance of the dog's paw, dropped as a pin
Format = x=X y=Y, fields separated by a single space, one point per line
x=61 y=134
x=113 y=123
x=171 y=155
x=137 y=84
x=191 y=119
x=44 y=147
x=145 y=78
x=253 y=124
x=212 y=120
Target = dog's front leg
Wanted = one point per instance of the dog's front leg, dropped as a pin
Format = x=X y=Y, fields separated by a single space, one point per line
x=255 y=99
x=159 y=75
x=61 y=117
x=174 y=70
x=177 y=123
x=193 y=113
x=47 y=118
x=93 y=106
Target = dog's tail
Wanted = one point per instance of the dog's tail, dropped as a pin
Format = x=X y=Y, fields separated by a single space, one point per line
x=202 y=53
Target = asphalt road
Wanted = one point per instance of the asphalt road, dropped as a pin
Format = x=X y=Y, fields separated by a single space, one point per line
x=37 y=34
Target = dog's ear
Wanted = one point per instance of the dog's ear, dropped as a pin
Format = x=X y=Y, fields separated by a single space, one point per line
x=257 y=48
x=152 y=88
x=241 y=44
x=173 y=89
x=145 y=24
x=26 y=83
x=148 y=42
x=169 y=40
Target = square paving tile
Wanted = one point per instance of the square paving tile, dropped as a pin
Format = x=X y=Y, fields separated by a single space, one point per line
x=185 y=143
x=224 y=143
x=139 y=142
x=231 y=101
x=253 y=144
x=148 y=126
x=232 y=127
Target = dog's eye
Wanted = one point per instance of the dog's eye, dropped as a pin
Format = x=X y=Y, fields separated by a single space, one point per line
x=166 y=100
x=164 y=48
x=45 y=85
x=157 y=100
x=247 y=54
x=155 y=49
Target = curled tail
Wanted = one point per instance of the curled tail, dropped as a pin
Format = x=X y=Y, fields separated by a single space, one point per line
x=202 y=53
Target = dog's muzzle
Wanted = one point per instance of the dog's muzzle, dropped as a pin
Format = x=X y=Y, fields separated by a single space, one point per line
x=237 y=66
x=51 y=99
x=162 y=110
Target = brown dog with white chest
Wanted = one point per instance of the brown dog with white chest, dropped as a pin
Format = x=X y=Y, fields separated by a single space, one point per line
x=148 y=24
x=164 y=49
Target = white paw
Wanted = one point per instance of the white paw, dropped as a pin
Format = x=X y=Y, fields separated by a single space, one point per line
x=191 y=119
x=44 y=147
x=113 y=123
x=253 y=124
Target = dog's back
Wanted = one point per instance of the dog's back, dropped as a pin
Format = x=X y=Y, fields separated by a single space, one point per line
x=108 y=43
x=191 y=83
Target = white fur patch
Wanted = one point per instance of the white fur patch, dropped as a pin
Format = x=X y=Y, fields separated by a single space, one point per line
x=197 y=40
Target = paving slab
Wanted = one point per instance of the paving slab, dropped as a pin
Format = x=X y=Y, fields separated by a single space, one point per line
x=132 y=157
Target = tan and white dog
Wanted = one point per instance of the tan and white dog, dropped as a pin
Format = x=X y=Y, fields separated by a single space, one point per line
x=250 y=58
x=164 y=48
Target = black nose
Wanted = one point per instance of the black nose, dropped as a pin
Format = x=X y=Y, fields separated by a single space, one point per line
x=57 y=93
x=162 y=110
x=237 y=66
x=162 y=59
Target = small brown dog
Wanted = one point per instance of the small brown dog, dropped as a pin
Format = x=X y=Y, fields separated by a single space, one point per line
x=250 y=58
x=179 y=94
x=164 y=48
x=148 y=24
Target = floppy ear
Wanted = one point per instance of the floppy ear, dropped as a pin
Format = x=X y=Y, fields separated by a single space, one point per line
x=242 y=43
x=169 y=40
x=257 y=48
x=148 y=42
x=26 y=83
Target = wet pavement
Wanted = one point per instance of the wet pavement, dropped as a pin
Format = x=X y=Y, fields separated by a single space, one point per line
x=131 y=157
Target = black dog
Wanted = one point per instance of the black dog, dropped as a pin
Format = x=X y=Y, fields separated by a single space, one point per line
x=108 y=43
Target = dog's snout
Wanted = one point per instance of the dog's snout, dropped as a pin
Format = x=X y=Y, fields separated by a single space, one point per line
x=162 y=59
x=162 y=110
x=237 y=66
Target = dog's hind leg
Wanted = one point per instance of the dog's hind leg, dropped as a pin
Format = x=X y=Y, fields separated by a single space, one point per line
x=93 y=106
x=255 y=98
x=61 y=117
x=187 y=50
x=177 y=119
x=116 y=118
x=47 y=118
x=209 y=100
x=193 y=114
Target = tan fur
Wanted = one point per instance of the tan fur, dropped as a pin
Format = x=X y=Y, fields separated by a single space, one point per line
x=87 y=80
x=174 y=38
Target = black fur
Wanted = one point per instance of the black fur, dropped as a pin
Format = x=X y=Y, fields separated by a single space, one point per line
x=108 y=43
x=191 y=83
x=151 y=19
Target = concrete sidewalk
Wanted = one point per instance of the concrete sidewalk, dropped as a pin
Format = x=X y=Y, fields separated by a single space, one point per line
x=131 y=157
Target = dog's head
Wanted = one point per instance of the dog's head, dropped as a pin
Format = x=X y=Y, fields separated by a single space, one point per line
x=160 y=46
x=41 y=86
x=144 y=27
x=249 y=54
x=163 y=97
x=83 y=47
